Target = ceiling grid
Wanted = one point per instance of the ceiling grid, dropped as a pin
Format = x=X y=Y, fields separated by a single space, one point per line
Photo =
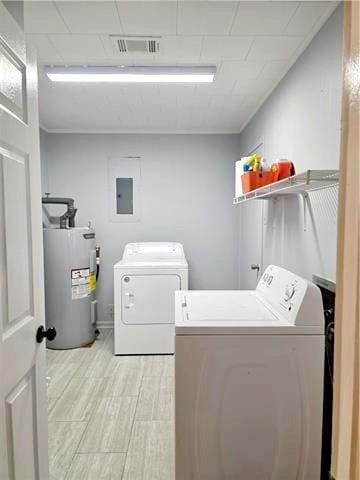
x=252 y=44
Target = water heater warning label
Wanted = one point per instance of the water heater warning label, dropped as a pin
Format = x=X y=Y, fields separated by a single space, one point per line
x=80 y=283
x=92 y=282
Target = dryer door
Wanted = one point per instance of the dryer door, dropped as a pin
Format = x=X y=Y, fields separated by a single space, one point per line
x=149 y=299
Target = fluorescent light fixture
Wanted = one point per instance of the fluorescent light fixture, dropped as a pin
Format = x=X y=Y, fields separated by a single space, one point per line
x=124 y=74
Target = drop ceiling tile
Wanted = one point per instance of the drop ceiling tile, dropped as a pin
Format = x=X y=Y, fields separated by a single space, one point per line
x=263 y=18
x=234 y=112
x=256 y=93
x=192 y=104
x=132 y=121
x=274 y=48
x=142 y=90
x=180 y=89
x=225 y=47
x=250 y=89
x=90 y=17
x=58 y=110
x=190 y=120
x=99 y=93
x=218 y=87
x=274 y=69
x=194 y=101
x=66 y=94
x=222 y=123
x=242 y=87
x=248 y=110
x=234 y=104
x=180 y=48
x=243 y=69
x=124 y=103
x=216 y=103
x=224 y=105
x=148 y=18
x=223 y=83
x=46 y=51
x=205 y=18
x=80 y=48
x=159 y=103
x=306 y=16
x=43 y=17
x=228 y=74
x=269 y=76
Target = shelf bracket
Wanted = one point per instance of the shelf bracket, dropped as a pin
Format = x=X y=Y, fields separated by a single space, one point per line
x=305 y=197
x=273 y=201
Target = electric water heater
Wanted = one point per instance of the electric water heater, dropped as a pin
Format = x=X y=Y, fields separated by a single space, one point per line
x=70 y=284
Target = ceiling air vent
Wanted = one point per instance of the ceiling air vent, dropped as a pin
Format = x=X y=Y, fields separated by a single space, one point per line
x=134 y=44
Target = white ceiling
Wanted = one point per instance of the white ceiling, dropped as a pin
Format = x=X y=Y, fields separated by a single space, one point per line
x=251 y=43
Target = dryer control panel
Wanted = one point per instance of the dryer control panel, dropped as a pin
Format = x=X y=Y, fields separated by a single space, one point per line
x=295 y=298
x=154 y=252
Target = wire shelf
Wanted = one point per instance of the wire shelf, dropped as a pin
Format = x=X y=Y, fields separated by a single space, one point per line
x=299 y=184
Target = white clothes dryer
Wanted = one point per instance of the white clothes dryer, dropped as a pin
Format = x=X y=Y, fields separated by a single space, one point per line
x=145 y=281
x=249 y=381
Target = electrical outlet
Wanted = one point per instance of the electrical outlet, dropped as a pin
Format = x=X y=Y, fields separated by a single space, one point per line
x=111 y=310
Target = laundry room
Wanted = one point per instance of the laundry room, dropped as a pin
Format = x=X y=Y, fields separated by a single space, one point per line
x=183 y=234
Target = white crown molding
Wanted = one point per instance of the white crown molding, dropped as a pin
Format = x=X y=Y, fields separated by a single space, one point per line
x=139 y=132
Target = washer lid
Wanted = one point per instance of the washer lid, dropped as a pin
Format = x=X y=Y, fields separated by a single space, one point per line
x=226 y=307
x=231 y=313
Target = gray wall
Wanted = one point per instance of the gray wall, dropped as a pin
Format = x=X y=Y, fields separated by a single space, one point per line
x=299 y=121
x=187 y=187
x=187 y=182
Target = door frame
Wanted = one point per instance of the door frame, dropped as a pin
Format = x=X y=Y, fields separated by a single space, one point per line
x=346 y=412
x=346 y=422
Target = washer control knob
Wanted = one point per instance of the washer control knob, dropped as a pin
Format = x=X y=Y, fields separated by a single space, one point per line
x=289 y=292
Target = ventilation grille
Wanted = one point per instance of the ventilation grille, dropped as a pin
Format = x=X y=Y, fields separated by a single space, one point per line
x=153 y=46
x=140 y=45
x=122 y=45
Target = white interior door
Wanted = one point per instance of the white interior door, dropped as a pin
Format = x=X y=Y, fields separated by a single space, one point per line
x=23 y=406
x=149 y=299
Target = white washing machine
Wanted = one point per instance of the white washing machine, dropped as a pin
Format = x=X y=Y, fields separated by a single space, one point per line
x=145 y=281
x=249 y=381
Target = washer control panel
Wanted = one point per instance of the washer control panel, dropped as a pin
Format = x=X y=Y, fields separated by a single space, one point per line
x=287 y=293
x=267 y=278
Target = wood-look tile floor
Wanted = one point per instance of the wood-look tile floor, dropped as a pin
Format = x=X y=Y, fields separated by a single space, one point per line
x=110 y=417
